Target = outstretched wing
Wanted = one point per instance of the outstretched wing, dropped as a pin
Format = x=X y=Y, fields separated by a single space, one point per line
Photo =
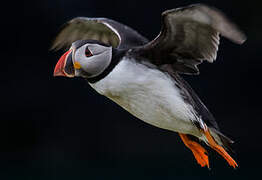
x=188 y=36
x=102 y=29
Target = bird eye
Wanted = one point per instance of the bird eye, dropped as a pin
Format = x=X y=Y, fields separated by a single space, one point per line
x=88 y=52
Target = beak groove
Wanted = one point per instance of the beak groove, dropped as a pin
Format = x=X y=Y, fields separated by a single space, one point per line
x=60 y=66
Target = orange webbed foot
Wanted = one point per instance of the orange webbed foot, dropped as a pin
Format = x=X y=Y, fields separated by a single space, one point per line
x=198 y=151
x=213 y=144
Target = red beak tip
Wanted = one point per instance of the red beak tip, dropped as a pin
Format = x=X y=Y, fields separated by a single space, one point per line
x=59 y=68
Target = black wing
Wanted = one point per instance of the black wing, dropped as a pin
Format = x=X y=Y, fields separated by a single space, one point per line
x=188 y=36
x=102 y=29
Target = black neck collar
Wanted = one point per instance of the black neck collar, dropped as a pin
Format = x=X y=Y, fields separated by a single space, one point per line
x=117 y=55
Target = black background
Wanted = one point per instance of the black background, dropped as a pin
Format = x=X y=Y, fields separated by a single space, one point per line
x=58 y=128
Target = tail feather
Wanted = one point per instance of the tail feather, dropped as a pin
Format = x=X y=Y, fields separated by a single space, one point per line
x=222 y=140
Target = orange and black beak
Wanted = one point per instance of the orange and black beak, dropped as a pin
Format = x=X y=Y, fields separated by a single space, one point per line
x=65 y=66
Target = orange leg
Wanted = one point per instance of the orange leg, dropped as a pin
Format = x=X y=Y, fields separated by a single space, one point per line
x=198 y=151
x=219 y=149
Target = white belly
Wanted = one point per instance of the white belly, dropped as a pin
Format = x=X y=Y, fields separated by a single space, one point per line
x=148 y=94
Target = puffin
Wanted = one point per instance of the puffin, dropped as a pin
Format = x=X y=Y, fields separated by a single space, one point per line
x=145 y=77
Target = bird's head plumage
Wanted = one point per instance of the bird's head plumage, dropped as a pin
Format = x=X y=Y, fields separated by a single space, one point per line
x=85 y=58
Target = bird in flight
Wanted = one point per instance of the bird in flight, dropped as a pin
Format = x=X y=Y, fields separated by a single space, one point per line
x=144 y=77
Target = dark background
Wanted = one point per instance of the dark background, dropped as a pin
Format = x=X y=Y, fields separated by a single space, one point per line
x=58 y=128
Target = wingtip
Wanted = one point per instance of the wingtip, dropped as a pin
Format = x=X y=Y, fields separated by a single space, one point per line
x=54 y=46
x=238 y=37
x=243 y=39
x=223 y=23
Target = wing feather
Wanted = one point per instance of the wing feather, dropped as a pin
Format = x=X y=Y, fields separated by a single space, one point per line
x=188 y=36
x=102 y=29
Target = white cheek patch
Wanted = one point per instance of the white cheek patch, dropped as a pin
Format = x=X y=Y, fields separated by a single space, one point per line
x=96 y=64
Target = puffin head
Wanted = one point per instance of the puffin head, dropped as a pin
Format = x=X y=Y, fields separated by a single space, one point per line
x=85 y=58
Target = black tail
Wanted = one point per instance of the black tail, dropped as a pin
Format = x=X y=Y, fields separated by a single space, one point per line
x=226 y=141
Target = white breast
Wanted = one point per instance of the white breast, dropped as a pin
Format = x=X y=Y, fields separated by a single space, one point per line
x=148 y=94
